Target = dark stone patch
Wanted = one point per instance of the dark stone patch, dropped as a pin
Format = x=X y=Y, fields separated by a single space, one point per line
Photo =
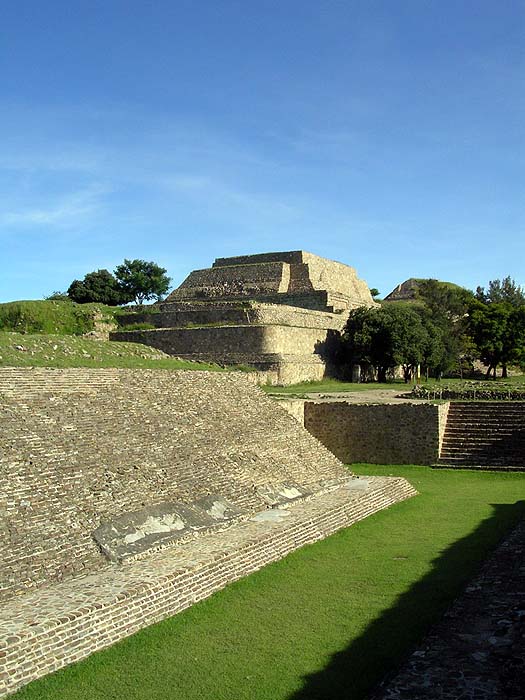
x=218 y=508
x=285 y=492
x=133 y=533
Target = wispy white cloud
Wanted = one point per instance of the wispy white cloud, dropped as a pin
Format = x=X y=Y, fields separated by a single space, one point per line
x=67 y=210
x=213 y=193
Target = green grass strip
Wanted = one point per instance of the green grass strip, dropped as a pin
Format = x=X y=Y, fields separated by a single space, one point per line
x=43 y=350
x=326 y=622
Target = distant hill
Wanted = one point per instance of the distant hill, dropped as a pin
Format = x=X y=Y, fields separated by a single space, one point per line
x=408 y=290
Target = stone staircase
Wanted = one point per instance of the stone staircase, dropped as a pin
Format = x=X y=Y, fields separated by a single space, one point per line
x=484 y=434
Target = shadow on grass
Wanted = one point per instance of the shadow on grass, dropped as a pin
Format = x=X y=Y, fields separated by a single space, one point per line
x=354 y=672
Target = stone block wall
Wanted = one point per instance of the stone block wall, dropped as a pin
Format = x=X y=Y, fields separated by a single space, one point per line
x=222 y=342
x=180 y=314
x=292 y=354
x=79 y=447
x=378 y=433
x=243 y=280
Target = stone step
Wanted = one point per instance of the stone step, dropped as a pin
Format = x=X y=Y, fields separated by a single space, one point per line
x=500 y=466
x=458 y=430
x=516 y=415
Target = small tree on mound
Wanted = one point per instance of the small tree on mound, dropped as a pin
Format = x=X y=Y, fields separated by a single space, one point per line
x=100 y=287
x=140 y=280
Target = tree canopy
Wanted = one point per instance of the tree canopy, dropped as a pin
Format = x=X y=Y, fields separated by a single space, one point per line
x=385 y=337
x=141 y=280
x=505 y=290
x=100 y=286
x=497 y=324
x=134 y=280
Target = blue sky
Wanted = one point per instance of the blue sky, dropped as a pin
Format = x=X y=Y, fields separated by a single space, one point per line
x=387 y=135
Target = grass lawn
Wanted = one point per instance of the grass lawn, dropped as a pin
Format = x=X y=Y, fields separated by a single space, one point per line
x=326 y=622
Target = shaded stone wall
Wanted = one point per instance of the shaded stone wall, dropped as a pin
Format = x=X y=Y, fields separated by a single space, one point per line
x=292 y=354
x=79 y=447
x=250 y=313
x=378 y=433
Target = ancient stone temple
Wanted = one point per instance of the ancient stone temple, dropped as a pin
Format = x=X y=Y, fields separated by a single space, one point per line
x=276 y=312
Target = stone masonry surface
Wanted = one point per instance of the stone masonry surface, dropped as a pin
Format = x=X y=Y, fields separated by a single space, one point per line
x=292 y=271
x=378 y=433
x=83 y=447
x=43 y=631
x=277 y=312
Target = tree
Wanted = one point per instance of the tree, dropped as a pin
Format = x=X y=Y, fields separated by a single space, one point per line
x=496 y=323
x=385 y=338
x=444 y=309
x=505 y=290
x=100 y=287
x=498 y=332
x=140 y=280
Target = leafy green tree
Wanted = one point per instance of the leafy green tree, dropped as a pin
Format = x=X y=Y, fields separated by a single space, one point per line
x=140 y=280
x=505 y=290
x=444 y=311
x=385 y=338
x=100 y=287
x=445 y=301
x=496 y=324
x=498 y=332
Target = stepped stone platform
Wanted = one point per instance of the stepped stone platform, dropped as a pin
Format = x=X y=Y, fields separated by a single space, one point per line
x=484 y=434
x=277 y=312
x=128 y=495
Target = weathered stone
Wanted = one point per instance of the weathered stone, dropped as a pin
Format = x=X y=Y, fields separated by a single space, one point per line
x=278 y=312
x=84 y=447
x=270 y=516
x=136 y=532
x=278 y=494
x=218 y=508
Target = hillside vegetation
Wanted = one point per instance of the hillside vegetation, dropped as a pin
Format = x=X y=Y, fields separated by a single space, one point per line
x=41 y=350
x=52 y=334
x=53 y=317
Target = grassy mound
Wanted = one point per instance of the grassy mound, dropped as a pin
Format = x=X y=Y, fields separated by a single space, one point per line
x=51 y=333
x=40 y=350
x=52 y=317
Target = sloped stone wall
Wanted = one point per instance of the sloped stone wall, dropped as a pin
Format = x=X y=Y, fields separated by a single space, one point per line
x=44 y=631
x=74 y=455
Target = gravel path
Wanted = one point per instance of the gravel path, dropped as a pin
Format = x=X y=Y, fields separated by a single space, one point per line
x=366 y=396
